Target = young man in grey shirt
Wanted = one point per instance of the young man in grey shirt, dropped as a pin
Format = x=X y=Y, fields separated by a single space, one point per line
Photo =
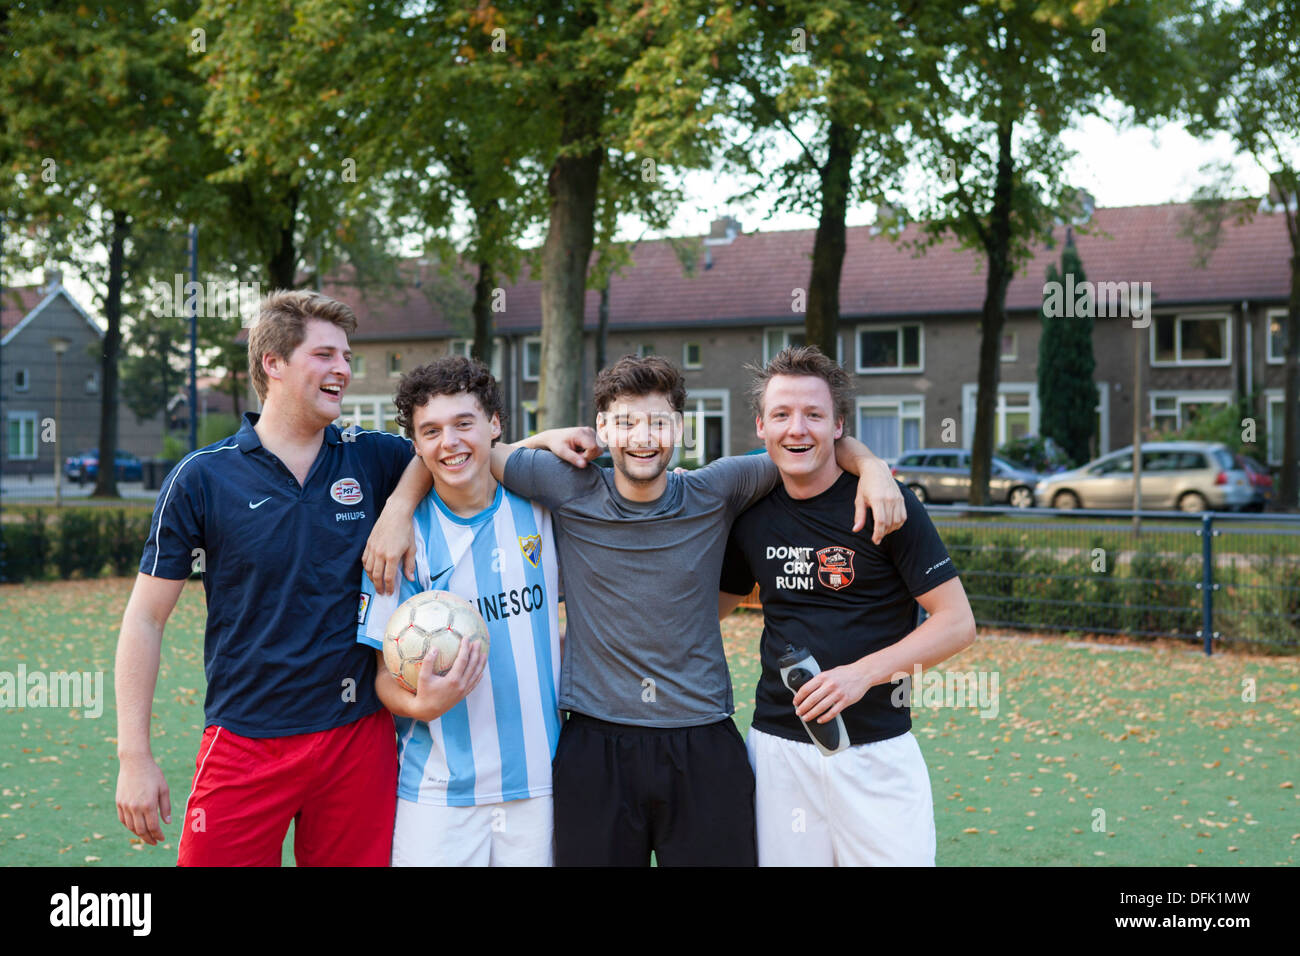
x=649 y=759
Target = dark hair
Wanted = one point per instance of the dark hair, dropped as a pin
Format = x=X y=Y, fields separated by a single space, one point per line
x=447 y=376
x=635 y=377
x=803 y=360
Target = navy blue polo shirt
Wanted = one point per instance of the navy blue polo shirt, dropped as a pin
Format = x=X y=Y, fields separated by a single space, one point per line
x=281 y=568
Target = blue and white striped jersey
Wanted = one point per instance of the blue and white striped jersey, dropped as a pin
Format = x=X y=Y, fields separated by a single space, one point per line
x=497 y=743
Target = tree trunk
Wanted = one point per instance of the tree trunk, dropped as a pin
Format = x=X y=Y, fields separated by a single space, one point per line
x=482 y=347
x=1288 y=496
x=602 y=327
x=821 y=324
x=998 y=249
x=106 y=481
x=565 y=257
x=282 y=269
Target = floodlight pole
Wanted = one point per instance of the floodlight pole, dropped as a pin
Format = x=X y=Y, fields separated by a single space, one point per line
x=194 y=336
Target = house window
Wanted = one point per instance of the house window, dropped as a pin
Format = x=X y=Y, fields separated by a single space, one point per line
x=1276 y=424
x=22 y=380
x=358 y=365
x=370 y=413
x=1171 y=411
x=891 y=425
x=394 y=364
x=1277 y=337
x=692 y=355
x=532 y=358
x=22 y=436
x=1010 y=346
x=92 y=383
x=1190 y=340
x=775 y=340
x=1015 y=415
x=529 y=410
x=704 y=432
x=466 y=346
x=890 y=348
x=644 y=349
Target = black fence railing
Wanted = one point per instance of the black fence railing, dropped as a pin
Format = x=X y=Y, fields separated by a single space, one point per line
x=1213 y=576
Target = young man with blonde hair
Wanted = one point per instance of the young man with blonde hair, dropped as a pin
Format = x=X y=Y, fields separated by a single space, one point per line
x=275 y=519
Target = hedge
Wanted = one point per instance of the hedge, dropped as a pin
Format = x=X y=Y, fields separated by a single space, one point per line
x=73 y=542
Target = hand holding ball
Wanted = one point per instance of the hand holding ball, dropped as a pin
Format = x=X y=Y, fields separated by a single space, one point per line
x=437 y=620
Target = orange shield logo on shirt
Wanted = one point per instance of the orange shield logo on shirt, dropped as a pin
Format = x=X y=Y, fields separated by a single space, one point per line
x=835 y=567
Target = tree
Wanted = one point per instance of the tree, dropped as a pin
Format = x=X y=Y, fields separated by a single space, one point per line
x=1247 y=84
x=101 y=107
x=1017 y=74
x=1067 y=394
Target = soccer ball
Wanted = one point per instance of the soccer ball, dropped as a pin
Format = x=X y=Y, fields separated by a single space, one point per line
x=437 y=619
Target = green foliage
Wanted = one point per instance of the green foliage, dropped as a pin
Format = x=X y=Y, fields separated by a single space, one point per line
x=1223 y=425
x=1034 y=453
x=215 y=427
x=79 y=547
x=1067 y=394
x=27 y=547
x=174 y=447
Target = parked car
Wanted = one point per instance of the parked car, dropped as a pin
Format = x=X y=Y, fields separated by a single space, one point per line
x=85 y=467
x=942 y=475
x=1261 y=480
x=1188 y=475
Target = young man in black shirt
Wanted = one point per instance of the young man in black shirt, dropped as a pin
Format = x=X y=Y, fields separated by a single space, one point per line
x=852 y=604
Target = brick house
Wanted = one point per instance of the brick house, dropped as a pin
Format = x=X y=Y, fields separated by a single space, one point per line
x=909 y=329
x=30 y=317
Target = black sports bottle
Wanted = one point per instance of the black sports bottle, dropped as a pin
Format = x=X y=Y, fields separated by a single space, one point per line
x=798 y=667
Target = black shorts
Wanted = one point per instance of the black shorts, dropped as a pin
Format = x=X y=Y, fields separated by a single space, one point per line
x=686 y=793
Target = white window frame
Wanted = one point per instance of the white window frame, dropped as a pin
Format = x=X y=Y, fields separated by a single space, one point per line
x=882 y=401
x=358 y=365
x=1272 y=314
x=373 y=412
x=92 y=383
x=17 y=454
x=1178 y=319
x=645 y=348
x=898 y=328
x=970 y=390
x=523 y=359
x=1015 y=347
x=527 y=408
x=696 y=397
x=388 y=364
x=465 y=346
x=1183 y=397
x=1103 y=413
x=784 y=331
x=27 y=380
x=686 y=351
x=1273 y=424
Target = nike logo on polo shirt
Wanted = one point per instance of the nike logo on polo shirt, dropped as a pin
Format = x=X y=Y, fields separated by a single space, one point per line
x=260 y=503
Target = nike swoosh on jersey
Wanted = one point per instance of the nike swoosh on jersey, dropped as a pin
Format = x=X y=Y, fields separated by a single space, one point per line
x=435 y=577
x=260 y=503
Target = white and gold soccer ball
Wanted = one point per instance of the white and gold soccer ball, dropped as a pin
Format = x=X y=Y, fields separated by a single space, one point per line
x=437 y=619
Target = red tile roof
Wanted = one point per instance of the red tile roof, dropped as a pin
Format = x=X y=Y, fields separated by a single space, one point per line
x=16 y=302
x=751 y=280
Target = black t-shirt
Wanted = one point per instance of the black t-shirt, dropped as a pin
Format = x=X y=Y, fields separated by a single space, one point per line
x=833 y=592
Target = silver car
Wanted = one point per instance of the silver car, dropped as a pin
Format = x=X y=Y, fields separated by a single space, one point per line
x=942 y=475
x=1191 y=476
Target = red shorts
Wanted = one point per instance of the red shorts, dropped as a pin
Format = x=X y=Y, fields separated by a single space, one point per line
x=339 y=786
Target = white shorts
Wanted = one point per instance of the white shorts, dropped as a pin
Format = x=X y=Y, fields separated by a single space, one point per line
x=515 y=833
x=869 y=805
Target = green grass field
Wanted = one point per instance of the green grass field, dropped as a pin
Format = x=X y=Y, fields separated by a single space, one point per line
x=1159 y=739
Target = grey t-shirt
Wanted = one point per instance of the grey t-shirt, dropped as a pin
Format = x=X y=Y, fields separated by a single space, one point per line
x=643 y=644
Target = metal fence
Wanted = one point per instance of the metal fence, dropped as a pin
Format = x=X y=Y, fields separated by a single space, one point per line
x=1209 y=577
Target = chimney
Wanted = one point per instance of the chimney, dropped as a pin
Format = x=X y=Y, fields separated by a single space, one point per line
x=53 y=277
x=723 y=231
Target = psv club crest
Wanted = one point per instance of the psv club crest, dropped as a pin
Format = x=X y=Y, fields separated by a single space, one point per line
x=835 y=567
